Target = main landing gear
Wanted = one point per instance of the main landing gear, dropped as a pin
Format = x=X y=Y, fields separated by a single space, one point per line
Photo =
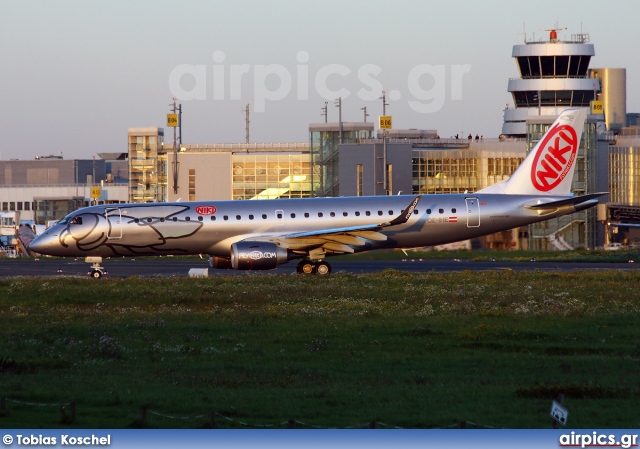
x=311 y=267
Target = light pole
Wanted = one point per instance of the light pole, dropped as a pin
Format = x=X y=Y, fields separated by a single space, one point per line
x=338 y=104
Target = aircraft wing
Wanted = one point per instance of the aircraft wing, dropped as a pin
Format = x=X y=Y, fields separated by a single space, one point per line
x=339 y=239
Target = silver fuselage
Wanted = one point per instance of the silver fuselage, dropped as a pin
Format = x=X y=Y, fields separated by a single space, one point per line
x=211 y=227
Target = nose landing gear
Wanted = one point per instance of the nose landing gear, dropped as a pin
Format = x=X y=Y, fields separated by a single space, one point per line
x=96 y=271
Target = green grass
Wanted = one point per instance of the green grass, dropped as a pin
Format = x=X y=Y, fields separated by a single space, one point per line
x=408 y=350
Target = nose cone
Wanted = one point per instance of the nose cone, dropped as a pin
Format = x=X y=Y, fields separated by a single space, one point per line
x=46 y=243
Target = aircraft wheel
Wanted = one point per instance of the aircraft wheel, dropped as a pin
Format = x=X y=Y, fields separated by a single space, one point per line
x=322 y=268
x=305 y=267
x=96 y=274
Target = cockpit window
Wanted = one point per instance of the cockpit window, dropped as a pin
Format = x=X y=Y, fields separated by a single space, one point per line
x=65 y=220
x=76 y=220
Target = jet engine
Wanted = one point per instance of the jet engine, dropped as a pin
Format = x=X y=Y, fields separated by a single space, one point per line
x=257 y=256
x=219 y=262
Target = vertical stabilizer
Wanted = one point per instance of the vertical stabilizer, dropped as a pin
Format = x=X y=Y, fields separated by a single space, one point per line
x=549 y=167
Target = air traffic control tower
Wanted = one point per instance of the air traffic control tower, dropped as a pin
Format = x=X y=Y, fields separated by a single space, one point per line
x=554 y=75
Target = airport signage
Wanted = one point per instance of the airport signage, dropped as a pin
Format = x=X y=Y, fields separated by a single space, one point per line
x=384 y=122
x=597 y=107
x=172 y=120
x=559 y=413
x=96 y=192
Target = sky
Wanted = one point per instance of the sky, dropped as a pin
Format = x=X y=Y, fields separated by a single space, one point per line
x=77 y=74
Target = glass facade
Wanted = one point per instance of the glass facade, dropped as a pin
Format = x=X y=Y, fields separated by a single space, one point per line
x=624 y=175
x=325 y=139
x=269 y=176
x=145 y=147
x=459 y=171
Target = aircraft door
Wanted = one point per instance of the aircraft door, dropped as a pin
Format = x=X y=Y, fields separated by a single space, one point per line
x=280 y=217
x=473 y=212
x=114 y=221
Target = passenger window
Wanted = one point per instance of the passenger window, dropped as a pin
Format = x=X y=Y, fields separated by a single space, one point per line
x=306 y=215
x=415 y=211
x=264 y=216
x=367 y=213
x=213 y=218
x=293 y=215
x=251 y=217
x=199 y=217
x=238 y=217
x=333 y=214
x=429 y=211
x=344 y=214
x=186 y=218
x=379 y=212
x=441 y=211
x=225 y=218
x=453 y=211
x=357 y=213
x=390 y=212
x=320 y=214
x=175 y=218
x=161 y=219
x=279 y=215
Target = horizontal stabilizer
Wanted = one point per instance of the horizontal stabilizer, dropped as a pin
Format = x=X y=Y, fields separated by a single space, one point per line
x=567 y=201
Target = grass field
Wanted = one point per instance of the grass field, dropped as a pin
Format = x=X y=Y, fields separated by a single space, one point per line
x=402 y=349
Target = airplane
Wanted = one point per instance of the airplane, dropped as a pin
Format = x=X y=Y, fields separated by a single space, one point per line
x=262 y=234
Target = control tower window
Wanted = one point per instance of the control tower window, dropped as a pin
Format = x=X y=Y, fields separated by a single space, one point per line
x=582 y=97
x=584 y=65
x=574 y=64
x=548 y=98
x=534 y=63
x=523 y=63
x=563 y=97
x=547 y=64
x=562 y=66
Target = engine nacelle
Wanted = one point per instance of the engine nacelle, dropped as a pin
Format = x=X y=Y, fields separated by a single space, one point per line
x=257 y=256
x=219 y=262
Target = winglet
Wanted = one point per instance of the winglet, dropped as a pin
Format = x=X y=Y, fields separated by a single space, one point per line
x=404 y=215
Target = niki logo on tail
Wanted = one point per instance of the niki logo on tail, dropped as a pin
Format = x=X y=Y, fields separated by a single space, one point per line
x=555 y=157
